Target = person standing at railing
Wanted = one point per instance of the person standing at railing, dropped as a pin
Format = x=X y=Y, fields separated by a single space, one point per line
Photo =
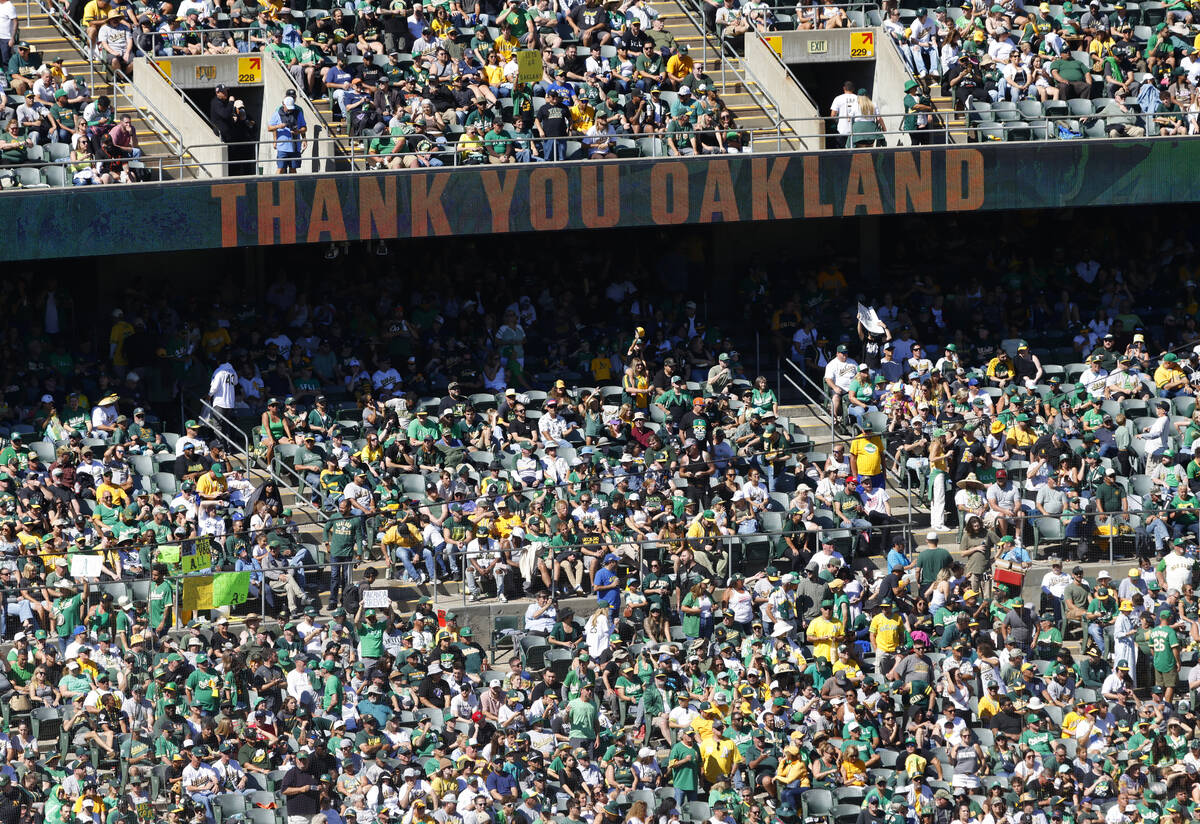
x=553 y=121
x=288 y=127
x=844 y=109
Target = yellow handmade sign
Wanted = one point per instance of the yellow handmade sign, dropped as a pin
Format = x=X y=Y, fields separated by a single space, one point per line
x=197 y=593
x=529 y=66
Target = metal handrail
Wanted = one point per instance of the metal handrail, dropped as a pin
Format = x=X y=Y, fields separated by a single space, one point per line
x=299 y=489
x=725 y=50
x=74 y=34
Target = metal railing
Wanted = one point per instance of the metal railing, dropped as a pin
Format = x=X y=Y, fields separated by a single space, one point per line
x=74 y=34
x=242 y=40
x=243 y=446
x=724 y=49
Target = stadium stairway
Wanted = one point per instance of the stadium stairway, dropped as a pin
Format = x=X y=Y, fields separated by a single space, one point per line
x=956 y=123
x=48 y=41
x=736 y=90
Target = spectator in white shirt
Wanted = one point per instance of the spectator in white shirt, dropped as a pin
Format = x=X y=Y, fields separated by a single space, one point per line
x=541 y=615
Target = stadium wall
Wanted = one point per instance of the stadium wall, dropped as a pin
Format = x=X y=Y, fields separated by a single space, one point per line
x=616 y=194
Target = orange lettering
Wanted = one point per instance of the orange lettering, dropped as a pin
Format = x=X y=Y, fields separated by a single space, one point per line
x=914 y=183
x=958 y=162
x=269 y=211
x=862 y=188
x=666 y=211
x=719 y=197
x=326 y=217
x=589 y=196
x=813 y=207
x=377 y=207
x=428 y=213
x=500 y=195
x=766 y=188
x=228 y=194
x=548 y=213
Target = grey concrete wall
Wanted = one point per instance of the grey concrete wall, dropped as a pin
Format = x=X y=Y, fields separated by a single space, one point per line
x=791 y=98
x=888 y=89
x=150 y=90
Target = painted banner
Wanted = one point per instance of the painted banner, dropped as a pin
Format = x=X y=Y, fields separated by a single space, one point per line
x=601 y=195
x=197 y=593
x=230 y=589
x=197 y=555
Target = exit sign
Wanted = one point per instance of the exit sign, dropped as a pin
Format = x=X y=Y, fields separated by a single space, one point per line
x=818 y=46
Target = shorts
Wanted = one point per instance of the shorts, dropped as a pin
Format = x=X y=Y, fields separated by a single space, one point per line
x=1166 y=679
x=287 y=160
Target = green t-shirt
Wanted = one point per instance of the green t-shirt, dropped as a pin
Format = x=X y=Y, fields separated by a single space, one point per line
x=206 y=689
x=67 y=614
x=685 y=774
x=1162 y=641
x=582 y=716
x=370 y=639
x=343 y=535
x=162 y=598
x=497 y=141
x=1071 y=70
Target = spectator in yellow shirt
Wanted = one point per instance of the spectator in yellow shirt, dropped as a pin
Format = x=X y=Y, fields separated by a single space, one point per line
x=212 y=485
x=583 y=115
x=718 y=755
x=119 y=497
x=680 y=65
x=853 y=769
x=1168 y=377
x=792 y=776
x=824 y=633
x=989 y=704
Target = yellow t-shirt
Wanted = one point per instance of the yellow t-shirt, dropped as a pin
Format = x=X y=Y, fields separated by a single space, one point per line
x=718 y=757
x=93 y=13
x=506 y=45
x=868 y=454
x=702 y=725
x=1166 y=373
x=404 y=535
x=854 y=772
x=680 y=66
x=987 y=707
x=119 y=497
x=824 y=635
x=120 y=330
x=1070 y=722
x=1021 y=438
x=601 y=367
x=505 y=525
x=582 y=116
x=208 y=485
x=888 y=632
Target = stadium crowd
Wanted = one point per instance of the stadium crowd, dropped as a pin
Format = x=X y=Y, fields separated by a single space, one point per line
x=1139 y=64
x=606 y=439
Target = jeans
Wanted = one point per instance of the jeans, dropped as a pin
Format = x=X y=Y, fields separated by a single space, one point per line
x=925 y=59
x=339 y=578
x=684 y=796
x=205 y=800
x=20 y=609
x=791 y=794
x=499 y=573
x=404 y=556
x=1157 y=531
x=555 y=148
x=1098 y=633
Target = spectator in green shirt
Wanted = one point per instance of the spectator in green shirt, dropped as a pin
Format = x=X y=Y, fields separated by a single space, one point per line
x=684 y=766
